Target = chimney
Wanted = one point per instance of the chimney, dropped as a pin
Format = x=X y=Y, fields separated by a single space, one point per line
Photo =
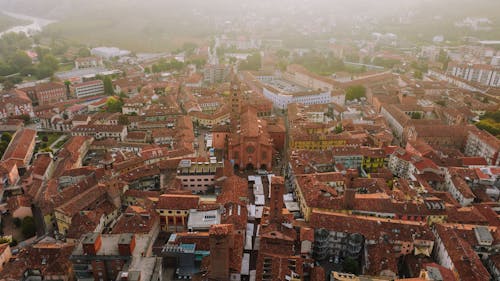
x=126 y=244
x=277 y=189
x=91 y=243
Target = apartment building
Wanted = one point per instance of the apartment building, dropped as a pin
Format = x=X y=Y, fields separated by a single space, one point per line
x=88 y=89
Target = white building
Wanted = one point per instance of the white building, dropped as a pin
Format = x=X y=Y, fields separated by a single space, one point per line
x=88 y=62
x=483 y=74
x=283 y=92
x=215 y=73
x=197 y=176
x=109 y=52
x=199 y=220
x=89 y=88
x=117 y=132
x=396 y=120
x=482 y=144
x=458 y=181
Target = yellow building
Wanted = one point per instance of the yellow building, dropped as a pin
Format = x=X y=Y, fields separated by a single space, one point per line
x=174 y=210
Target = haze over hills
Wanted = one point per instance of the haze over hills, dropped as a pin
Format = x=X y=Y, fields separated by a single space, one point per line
x=156 y=25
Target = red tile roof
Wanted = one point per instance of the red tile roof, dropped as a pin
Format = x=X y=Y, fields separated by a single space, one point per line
x=136 y=220
x=178 y=202
x=234 y=189
x=372 y=228
x=51 y=258
x=20 y=145
x=466 y=262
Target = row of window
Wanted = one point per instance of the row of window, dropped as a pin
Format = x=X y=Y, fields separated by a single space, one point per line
x=206 y=179
x=171 y=212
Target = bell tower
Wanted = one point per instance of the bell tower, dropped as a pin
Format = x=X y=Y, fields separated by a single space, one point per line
x=235 y=101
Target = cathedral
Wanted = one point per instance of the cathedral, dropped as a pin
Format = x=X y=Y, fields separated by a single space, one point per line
x=248 y=143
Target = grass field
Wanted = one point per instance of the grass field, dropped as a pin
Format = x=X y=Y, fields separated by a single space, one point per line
x=46 y=140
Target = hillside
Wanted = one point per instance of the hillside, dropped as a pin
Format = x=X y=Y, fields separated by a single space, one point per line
x=7 y=22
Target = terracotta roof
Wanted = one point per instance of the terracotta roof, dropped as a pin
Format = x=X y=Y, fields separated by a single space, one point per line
x=474 y=161
x=382 y=258
x=19 y=145
x=466 y=215
x=465 y=261
x=83 y=200
x=87 y=221
x=306 y=234
x=41 y=164
x=462 y=186
x=221 y=230
x=178 y=202
x=234 y=189
x=51 y=258
x=15 y=202
x=136 y=220
x=140 y=193
x=486 y=137
x=136 y=135
x=372 y=228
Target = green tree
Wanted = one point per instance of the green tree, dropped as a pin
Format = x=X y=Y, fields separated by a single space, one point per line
x=189 y=48
x=8 y=84
x=41 y=52
x=253 y=62
x=28 y=227
x=387 y=63
x=198 y=62
x=17 y=222
x=416 y=115
x=20 y=60
x=351 y=266
x=355 y=92
x=28 y=71
x=50 y=61
x=84 y=52
x=6 y=137
x=26 y=118
x=13 y=243
x=281 y=53
x=67 y=84
x=441 y=102
x=114 y=105
x=418 y=74
x=108 y=86
x=6 y=69
x=44 y=71
x=3 y=147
